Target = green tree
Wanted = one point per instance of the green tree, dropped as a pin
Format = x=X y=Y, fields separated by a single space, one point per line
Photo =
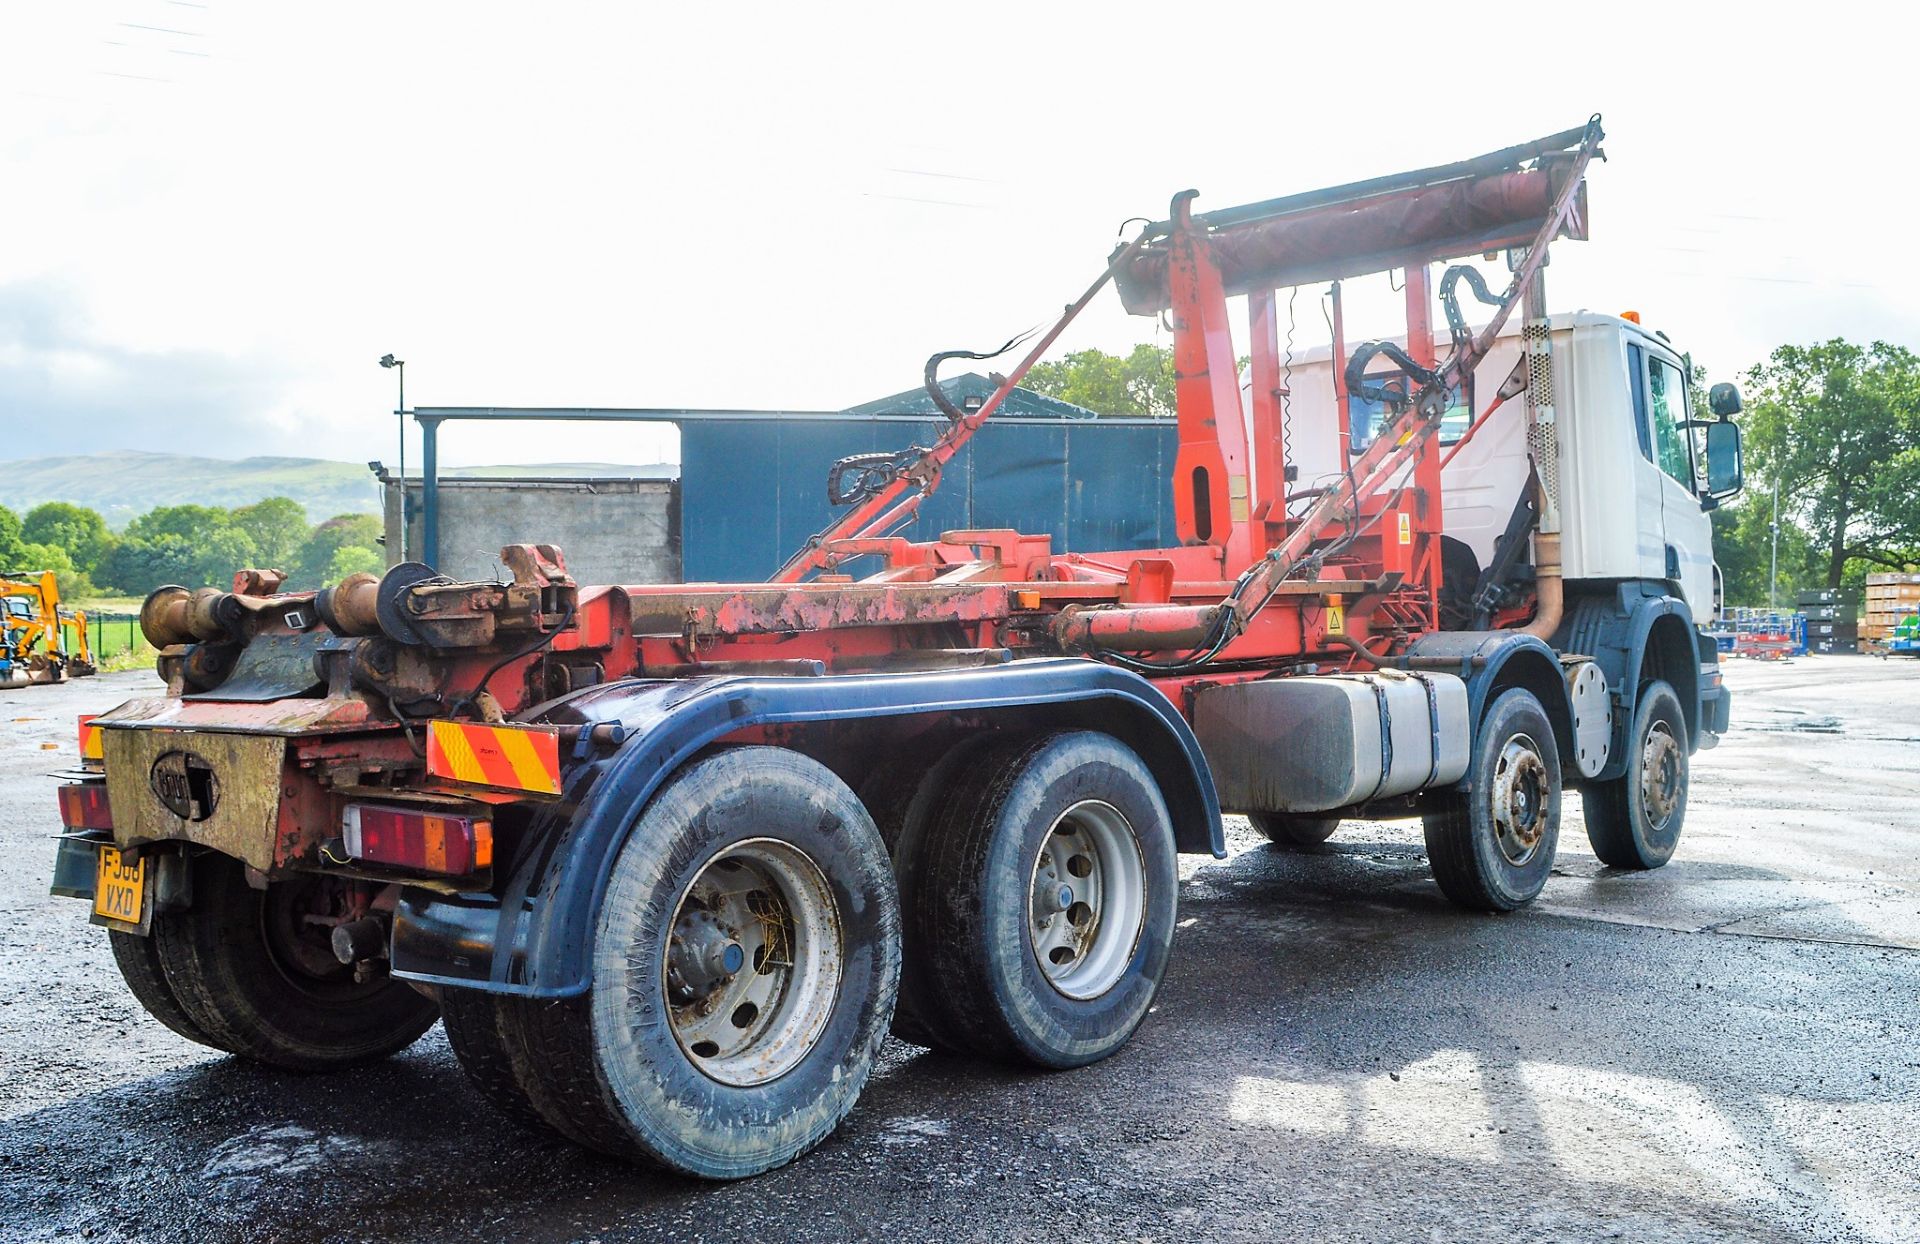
x=1743 y=549
x=1839 y=426
x=11 y=545
x=75 y=528
x=354 y=559
x=342 y=531
x=192 y=545
x=187 y=522
x=278 y=528
x=74 y=583
x=1139 y=386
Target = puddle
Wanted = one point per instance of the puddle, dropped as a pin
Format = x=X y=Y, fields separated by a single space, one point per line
x=1805 y=725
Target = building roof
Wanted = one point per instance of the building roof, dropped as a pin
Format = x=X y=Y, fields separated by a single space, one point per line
x=1021 y=402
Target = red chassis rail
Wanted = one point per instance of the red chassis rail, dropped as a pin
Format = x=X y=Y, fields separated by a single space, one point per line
x=1265 y=574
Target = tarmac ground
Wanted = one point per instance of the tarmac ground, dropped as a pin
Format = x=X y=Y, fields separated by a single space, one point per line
x=1724 y=1048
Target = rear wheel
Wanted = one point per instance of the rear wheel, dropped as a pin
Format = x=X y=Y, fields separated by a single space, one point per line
x=904 y=803
x=1493 y=846
x=1043 y=900
x=255 y=972
x=477 y=1029
x=1295 y=830
x=138 y=959
x=744 y=969
x=1635 y=820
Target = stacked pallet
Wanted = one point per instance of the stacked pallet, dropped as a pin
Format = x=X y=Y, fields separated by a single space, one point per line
x=1832 y=620
x=1890 y=597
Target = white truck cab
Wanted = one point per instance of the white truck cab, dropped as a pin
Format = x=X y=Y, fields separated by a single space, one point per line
x=1632 y=464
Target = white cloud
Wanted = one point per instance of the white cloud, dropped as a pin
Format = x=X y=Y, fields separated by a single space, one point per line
x=787 y=206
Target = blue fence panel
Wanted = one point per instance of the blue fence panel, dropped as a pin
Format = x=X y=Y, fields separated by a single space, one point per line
x=1119 y=492
x=753 y=491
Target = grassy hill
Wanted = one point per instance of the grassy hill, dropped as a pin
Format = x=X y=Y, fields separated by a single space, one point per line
x=123 y=485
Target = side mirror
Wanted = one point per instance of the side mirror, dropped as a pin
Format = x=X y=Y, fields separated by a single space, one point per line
x=1725 y=473
x=1724 y=400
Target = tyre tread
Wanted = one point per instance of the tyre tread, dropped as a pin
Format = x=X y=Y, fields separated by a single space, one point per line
x=138 y=959
x=1609 y=807
x=1452 y=828
x=475 y=1028
x=951 y=919
x=204 y=953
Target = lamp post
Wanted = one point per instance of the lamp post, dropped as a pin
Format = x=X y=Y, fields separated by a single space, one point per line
x=387 y=360
x=1773 y=560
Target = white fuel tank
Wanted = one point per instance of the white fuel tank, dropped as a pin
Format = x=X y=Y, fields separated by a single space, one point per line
x=1307 y=744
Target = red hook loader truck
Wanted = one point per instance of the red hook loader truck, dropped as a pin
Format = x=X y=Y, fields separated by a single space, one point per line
x=670 y=861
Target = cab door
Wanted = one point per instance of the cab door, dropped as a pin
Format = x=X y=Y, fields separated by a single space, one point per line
x=1649 y=499
x=1688 y=551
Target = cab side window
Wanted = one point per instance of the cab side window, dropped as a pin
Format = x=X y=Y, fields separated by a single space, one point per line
x=1667 y=394
x=1637 y=385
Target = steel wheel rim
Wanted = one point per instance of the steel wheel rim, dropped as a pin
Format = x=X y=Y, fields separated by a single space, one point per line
x=1518 y=794
x=1087 y=901
x=296 y=922
x=753 y=962
x=1660 y=775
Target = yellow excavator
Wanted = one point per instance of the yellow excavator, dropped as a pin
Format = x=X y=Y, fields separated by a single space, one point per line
x=34 y=626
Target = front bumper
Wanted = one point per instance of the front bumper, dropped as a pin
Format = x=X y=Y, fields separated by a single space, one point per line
x=1716 y=713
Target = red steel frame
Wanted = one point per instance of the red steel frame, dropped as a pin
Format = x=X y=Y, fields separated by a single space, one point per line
x=1267 y=575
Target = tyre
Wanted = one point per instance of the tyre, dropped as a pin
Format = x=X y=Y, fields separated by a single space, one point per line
x=476 y=1025
x=1294 y=831
x=1043 y=903
x=138 y=959
x=1492 y=847
x=903 y=803
x=1634 y=821
x=744 y=967
x=260 y=980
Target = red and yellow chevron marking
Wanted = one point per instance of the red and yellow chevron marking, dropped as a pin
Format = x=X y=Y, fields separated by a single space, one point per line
x=89 y=737
x=509 y=757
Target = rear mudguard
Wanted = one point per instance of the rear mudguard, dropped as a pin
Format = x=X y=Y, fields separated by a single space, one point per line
x=532 y=933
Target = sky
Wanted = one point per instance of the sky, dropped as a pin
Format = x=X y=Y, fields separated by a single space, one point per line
x=217 y=216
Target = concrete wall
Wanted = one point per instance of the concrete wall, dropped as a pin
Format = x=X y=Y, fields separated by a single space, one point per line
x=612 y=530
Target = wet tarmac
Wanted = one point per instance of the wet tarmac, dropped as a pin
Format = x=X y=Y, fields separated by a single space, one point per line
x=1723 y=1049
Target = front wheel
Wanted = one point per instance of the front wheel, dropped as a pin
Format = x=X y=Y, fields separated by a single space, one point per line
x=1041 y=900
x=1634 y=821
x=743 y=974
x=1492 y=846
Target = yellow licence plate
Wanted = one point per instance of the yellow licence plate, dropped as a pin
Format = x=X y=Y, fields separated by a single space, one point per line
x=119 y=888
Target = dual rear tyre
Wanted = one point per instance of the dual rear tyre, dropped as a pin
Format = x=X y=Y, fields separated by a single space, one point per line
x=1038 y=891
x=744 y=968
x=252 y=973
x=749 y=947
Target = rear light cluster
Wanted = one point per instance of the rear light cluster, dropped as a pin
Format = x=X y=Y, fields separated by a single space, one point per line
x=407 y=838
x=83 y=805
